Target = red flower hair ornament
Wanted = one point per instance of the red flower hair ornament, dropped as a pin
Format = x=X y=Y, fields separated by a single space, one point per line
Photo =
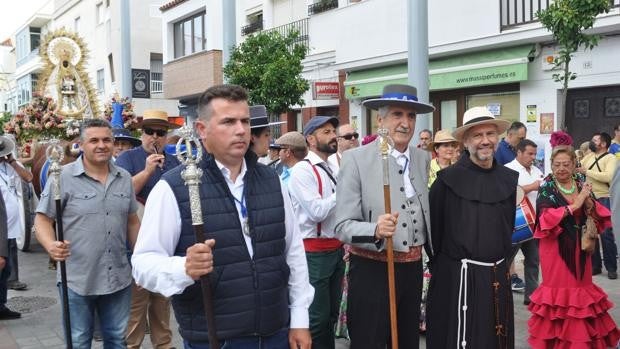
x=560 y=138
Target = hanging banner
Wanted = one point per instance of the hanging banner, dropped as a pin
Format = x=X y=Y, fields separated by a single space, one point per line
x=140 y=83
x=531 y=113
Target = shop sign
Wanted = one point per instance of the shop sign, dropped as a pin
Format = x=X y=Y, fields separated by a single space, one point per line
x=325 y=90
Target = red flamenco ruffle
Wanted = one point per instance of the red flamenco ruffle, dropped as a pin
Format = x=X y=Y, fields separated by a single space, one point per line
x=571 y=318
x=537 y=343
x=562 y=303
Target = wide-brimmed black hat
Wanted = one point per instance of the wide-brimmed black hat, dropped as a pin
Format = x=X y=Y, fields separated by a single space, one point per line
x=259 y=117
x=6 y=146
x=399 y=95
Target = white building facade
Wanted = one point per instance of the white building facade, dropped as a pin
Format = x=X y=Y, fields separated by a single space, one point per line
x=481 y=52
x=98 y=23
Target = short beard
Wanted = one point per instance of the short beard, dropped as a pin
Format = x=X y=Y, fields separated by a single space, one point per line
x=327 y=148
x=475 y=153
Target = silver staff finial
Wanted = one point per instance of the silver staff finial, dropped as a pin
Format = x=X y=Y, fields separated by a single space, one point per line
x=191 y=174
x=55 y=154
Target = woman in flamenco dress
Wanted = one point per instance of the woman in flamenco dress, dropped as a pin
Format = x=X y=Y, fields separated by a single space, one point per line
x=568 y=310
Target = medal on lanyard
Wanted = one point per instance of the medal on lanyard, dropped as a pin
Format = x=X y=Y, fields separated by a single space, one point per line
x=245 y=225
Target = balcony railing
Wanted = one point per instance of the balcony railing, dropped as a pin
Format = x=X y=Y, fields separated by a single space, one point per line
x=34 y=53
x=157 y=86
x=252 y=28
x=300 y=26
x=517 y=12
x=322 y=6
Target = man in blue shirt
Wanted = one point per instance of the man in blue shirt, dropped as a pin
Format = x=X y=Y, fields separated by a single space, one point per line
x=614 y=148
x=505 y=153
x=507 y=147
x=293 y=149
x=147 y=164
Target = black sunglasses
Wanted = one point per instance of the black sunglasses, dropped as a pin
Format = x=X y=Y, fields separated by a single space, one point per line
x=350 y=136
x=150 y=132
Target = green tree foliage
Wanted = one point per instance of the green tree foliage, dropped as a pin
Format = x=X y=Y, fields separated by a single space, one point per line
x=567 y=20
x=4 y=117
x=268 y=64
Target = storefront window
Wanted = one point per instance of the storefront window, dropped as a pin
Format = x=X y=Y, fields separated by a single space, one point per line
x=371 y=121
x=504 y=105
x=448 y=114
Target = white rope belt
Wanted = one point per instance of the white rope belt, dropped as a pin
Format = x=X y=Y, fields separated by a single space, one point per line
x=462 y=306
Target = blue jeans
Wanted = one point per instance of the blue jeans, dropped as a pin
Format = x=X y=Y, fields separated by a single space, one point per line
x=113 y=311
x=279 y=340
x=610 y=250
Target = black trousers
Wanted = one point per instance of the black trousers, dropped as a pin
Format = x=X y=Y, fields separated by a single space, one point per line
x=14 y=274
x=368 y=311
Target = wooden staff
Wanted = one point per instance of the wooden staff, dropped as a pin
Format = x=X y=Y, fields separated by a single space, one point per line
x=54 y=153
x=191 y=175
x=389 y=248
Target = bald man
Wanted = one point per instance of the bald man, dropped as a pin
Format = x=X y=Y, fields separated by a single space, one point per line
x=348 y=138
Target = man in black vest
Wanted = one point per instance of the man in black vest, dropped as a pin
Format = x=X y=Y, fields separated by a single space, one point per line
x=254 y=253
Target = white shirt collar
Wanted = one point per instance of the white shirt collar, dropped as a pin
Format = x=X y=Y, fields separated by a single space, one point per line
x=314 y=158
x=226 y=172
x=396 y=154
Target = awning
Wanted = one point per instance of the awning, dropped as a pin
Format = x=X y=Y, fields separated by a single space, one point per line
x=474 y=69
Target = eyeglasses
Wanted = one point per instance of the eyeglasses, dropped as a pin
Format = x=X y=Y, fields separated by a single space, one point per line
x=350 y=136
x=150 y=132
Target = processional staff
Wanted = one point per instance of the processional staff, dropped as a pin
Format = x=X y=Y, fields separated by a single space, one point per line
x=54 y=154
x=384 y=148
x=191 y=175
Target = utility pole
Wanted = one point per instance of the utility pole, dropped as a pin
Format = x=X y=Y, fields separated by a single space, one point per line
x=417 y=63
x=125 y=50
x=229 y=29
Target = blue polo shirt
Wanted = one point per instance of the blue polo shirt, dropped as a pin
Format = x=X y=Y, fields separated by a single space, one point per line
x=134 y=160
x=505 y=153
x=615 y=148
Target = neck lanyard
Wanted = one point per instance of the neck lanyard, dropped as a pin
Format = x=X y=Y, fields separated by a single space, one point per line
x=244 y=214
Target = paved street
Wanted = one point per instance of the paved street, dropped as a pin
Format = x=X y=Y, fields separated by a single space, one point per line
x=41 y=327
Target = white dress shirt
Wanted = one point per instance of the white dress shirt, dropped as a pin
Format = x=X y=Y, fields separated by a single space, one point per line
x=11 y=187
x=527 y=177
x=311 y=207
x=156 y=268
x=403 y=160
x=334 y=162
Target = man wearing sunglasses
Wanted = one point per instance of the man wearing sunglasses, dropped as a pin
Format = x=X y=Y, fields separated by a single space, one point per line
x=348 y=138
x=147 y=164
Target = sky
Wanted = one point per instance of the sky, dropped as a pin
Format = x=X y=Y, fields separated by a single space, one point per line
x=14 y=13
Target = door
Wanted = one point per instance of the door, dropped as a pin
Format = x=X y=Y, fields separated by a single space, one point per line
x=591 y=110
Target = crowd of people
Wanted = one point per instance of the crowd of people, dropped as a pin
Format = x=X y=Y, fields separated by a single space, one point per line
x=297 y=245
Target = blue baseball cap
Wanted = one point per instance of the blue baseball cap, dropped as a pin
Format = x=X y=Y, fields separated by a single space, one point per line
x=319 y=121
x=274 y=145
x=124 y=134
